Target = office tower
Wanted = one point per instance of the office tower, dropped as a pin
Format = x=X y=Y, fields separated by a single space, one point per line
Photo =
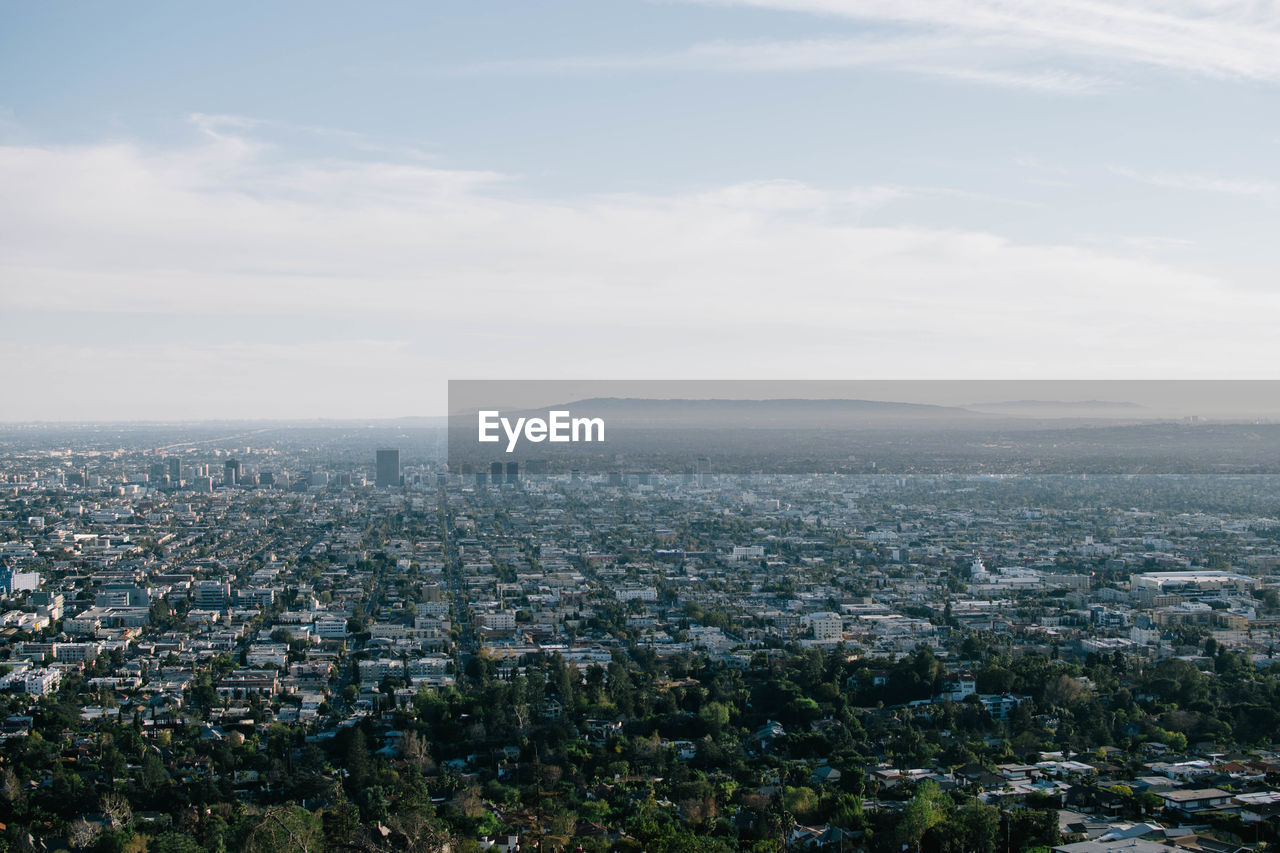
x=156 y=472
x=513 y=473
x=12 y=580
x=214 y=595
x=388 y=470
x=495 y=473
x=231 y=472
x=175 y=469
x=267 y=478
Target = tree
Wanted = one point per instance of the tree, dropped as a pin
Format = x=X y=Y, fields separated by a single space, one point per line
x=116 y=810
x=174 y=842
x=715 y=716
x=153 y=776
x=416 y=752
x=1026 y=828
x=341 y=821
x=286 y=829
x=976 y=828
x=356 y=758
x=925 y=810
x=81 y=833
x=1064 y=691
x=417 y=832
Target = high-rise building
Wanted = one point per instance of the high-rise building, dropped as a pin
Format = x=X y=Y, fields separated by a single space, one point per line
x=495 y=473
x=175 y=469
x=388 y=472
x=231 y=472
x=211 y=594
x=513 y=473
x=12 y=580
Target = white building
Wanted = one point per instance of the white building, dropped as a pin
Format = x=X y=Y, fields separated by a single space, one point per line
x=331 y=629
x=1202 y=580
x=959 y=686
x=41 y=682
x=82 y=625
x=826 y=625
x=638 y=593
x=262 y=654
x=431 y=665
x=211 y=594
x=76 y=651
x=497 y=620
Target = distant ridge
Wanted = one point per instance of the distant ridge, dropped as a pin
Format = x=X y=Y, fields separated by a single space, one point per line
x=638 y=412
x=1056 y=404
x=825 y=404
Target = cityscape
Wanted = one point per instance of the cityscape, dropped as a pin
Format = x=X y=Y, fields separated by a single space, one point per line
x=640 y=426
x=283 y=639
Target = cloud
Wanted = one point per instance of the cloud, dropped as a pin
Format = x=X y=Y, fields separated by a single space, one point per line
x=964 y=59
x=1051 y=46
x=402 y=275
x=1221 y=38
x=1260 y=189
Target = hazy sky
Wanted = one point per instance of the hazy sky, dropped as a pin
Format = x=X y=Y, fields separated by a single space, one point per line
x=315 y=209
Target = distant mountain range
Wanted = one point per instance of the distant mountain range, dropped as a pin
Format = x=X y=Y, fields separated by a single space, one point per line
x=799 y=413
x=634 y=412
x=1063 y=410
x=1065 y=405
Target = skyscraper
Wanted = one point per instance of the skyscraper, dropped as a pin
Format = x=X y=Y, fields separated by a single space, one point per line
x=388 y=468
x=513 y=473
x=495 y=473
x=231 y=472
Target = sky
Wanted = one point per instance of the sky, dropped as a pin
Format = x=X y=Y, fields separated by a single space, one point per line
x=295 y=210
